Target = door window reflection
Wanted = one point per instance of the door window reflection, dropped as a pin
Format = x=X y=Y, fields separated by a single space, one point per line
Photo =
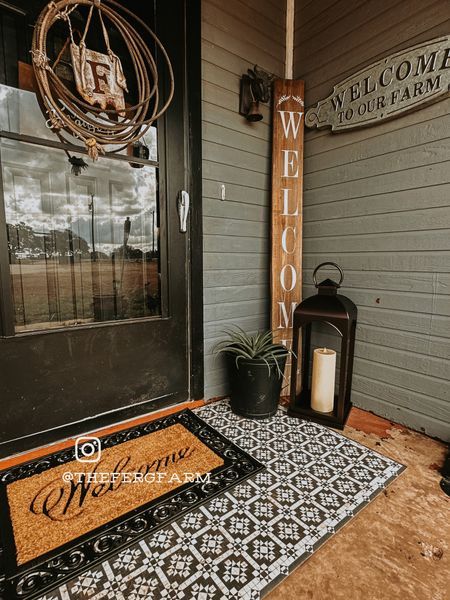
x=82 y=248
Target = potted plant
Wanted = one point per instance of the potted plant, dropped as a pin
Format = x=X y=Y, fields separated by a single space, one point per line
x=256 y=370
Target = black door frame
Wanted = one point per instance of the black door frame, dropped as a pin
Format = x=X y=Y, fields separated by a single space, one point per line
x=193 y=176
x=194 y=184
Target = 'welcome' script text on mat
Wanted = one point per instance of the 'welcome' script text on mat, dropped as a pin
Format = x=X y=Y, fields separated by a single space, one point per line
x=57 y=506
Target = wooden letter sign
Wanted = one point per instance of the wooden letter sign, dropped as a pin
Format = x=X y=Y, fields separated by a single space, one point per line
x=287 y=185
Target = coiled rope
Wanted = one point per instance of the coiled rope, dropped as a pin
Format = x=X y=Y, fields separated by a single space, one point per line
x=67 y=113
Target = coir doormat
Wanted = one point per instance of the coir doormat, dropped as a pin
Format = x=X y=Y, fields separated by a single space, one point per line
x=70 y=510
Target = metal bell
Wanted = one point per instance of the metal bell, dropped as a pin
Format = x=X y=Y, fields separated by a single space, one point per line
x=253 y=112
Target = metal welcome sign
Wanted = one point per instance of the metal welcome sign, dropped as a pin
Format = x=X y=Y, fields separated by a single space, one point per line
x=287 y=184
x=400 y=83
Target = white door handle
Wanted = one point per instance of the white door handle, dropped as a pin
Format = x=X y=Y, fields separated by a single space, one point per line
x=183 y=209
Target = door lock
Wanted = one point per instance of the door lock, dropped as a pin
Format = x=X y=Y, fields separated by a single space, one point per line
x=183 y=210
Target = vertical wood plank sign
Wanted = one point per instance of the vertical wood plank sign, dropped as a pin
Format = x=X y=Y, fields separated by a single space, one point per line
x=287 y=205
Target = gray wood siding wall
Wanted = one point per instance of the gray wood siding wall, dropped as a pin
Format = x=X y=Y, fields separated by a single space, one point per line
x=236 y=35
x=377 y=201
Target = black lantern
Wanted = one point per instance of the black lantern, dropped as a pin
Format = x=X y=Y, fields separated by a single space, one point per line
x=340 y=312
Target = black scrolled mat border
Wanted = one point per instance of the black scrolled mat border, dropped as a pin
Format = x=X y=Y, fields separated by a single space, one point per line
x=43 y=574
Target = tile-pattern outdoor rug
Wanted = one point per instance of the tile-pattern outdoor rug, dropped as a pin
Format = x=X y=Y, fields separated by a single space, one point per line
x=244 y=542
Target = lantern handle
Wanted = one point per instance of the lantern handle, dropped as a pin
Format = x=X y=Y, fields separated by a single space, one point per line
x=332 y=264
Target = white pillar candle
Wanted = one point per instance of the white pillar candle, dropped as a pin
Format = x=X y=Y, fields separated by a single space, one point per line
x=323 y=377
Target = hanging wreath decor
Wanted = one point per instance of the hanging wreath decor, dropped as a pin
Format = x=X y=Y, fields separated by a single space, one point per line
x=99 y=116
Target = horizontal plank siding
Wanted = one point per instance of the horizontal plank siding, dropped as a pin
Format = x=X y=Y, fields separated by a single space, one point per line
x=359 y=42
x=236 y=35
x=377 y=202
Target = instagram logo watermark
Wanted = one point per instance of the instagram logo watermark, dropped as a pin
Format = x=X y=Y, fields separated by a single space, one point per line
x=88 y=449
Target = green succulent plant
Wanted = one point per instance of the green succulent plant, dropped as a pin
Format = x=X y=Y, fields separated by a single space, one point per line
x=258 y=347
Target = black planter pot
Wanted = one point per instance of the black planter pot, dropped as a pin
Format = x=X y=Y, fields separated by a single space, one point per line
x=255 y=388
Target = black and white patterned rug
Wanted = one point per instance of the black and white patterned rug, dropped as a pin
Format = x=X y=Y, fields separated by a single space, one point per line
x=244 y=542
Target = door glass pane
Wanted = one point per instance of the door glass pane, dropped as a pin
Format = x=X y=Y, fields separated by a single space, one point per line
x=20 y=113
x=82 y=248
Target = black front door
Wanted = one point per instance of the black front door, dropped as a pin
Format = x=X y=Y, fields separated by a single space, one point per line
x=93 y=265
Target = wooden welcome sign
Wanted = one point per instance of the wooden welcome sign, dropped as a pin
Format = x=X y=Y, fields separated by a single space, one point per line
x=287 y=204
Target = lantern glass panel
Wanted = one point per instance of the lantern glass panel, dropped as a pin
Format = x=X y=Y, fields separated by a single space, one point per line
x=324 y=335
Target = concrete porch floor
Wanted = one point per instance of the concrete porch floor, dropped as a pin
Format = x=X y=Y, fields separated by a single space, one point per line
x=399 y=545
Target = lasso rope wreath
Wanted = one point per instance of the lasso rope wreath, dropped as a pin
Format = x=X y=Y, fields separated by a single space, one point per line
x=98 y=121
